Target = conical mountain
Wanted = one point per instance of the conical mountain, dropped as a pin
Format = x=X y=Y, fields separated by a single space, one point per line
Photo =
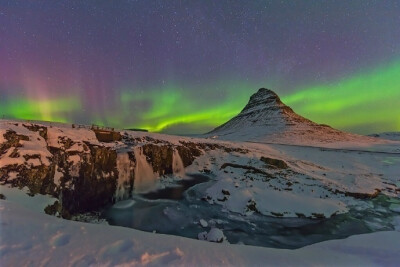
x=266 y=118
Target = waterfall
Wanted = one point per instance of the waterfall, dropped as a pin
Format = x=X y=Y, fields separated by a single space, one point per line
x=178 y=169
x=145 y=178
x=124 y=176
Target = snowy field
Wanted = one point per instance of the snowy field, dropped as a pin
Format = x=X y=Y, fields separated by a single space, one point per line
x=29 y=238
x=333 y=203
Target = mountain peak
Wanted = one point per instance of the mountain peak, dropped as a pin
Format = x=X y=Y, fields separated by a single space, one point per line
x=264 y=99
x=264 y=94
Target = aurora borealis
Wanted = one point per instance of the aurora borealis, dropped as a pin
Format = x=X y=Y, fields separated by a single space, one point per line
x=188 y=66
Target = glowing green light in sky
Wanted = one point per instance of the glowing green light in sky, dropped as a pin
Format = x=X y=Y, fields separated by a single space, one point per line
x=172 y=106
x=45 y=110
x=364 y=103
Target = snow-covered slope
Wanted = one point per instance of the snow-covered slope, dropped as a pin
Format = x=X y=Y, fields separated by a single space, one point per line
x=267 y=119
x=28 y=238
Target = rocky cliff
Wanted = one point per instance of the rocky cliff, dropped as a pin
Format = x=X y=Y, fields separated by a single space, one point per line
x=73 y=166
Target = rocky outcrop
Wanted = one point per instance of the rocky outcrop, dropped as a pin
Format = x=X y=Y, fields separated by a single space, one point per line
x=83 y=175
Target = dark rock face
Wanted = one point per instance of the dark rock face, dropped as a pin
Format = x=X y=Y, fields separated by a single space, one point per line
x=160 y=157
x=96 y=183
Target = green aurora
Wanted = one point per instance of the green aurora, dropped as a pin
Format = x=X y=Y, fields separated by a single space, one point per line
x=365 y=102
x=56 y=110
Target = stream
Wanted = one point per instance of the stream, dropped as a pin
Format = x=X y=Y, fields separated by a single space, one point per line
x=177 y=210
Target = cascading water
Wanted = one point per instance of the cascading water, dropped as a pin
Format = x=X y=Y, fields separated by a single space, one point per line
x=178 y=169
x=145 y=178
x=124 y=167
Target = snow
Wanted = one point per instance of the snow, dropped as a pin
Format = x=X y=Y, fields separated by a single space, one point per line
x=2 y=132
x=74 y=159
x=35 y=146
x=203 y=223
x=12 y=176
x=214 y=235
x=31 y=238
x=313 y=185
x=78 y=135
x=35 y=203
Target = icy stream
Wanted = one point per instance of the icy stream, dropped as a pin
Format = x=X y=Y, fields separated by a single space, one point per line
x=178 y=210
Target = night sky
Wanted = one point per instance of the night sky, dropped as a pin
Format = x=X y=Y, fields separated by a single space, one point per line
x=188 y=66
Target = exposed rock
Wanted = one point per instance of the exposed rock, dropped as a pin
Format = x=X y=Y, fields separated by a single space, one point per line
x=246 y=167
x=363 y=195
x=13 y=140
x=225 y=192
x=274 y=163
x=252 y=206
x=37 y=128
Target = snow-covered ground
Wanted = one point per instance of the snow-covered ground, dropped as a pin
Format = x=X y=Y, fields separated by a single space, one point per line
x=29 y=238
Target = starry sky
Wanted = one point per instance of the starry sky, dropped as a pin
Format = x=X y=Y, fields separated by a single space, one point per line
x=187 y=66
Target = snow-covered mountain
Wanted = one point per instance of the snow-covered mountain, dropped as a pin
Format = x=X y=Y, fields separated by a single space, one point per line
x=267 y=119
